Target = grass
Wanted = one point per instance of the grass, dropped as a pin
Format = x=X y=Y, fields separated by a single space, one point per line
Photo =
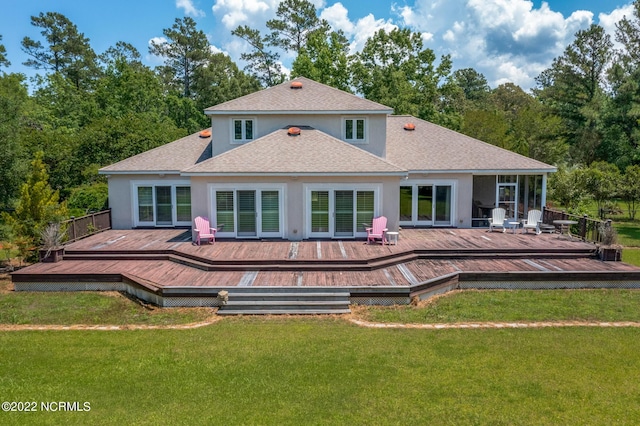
x=628 y=232
x=325 y=371
x=66 y=308
x=515 y=305
x=631 y=256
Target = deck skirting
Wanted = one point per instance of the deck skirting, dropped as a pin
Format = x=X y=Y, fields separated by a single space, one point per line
x=386 y=296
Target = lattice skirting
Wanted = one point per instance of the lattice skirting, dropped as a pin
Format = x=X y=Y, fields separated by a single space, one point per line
x=380 y=300
x=213 y=301
x=542 y=285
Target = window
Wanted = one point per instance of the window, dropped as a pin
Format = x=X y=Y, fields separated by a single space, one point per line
x=243 y=129
x=354 y=130
x=145 y=204
x=244 y=211
x=162 y=204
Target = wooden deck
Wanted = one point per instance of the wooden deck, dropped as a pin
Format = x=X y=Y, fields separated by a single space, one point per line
x=167 y=258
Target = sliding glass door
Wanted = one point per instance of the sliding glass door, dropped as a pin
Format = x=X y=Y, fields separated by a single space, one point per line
x=340 y=213
x=427 y=204
x=162 y=205
x=248 y=213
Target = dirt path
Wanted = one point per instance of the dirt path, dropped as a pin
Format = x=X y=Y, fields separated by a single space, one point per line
x=472 y=325
x=361 y=323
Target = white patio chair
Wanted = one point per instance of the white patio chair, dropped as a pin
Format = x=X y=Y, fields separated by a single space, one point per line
x=534 y=220
x=497 y=219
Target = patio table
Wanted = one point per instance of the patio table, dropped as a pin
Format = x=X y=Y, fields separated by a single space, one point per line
x=565 y=225
x=513 y=225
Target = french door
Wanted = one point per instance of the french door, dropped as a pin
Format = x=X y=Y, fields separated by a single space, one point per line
x=427 y=204
x=248 y=213
x=162 y=205
x=340 y=213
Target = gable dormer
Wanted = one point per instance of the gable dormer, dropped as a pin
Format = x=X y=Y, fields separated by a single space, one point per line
x=302 y=102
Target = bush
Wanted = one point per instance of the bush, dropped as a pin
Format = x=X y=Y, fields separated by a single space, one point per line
x=89 y=198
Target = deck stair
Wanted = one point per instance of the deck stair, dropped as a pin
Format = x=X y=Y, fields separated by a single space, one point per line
x=287 y=301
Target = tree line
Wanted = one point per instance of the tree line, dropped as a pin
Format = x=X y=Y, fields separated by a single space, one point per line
x=87 y=109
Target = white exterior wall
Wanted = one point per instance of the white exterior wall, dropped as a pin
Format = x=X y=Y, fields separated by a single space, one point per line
x=121 y=196
x=461 y=203
x=376 y=128
x=294 y=196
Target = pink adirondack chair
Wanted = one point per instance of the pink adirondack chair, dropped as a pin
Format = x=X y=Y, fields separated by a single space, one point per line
x=377 y=230
x=204 y=230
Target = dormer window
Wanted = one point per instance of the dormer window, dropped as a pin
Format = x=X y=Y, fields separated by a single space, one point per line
x=355 y=130
x=243 y=129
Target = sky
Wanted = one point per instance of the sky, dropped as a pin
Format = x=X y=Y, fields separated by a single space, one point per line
x=505 y=40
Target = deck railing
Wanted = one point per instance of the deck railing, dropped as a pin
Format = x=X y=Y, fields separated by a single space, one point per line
x=84 y=226
x=587 y=229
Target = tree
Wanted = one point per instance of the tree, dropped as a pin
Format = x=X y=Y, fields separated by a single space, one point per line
x=325 y=59
x=221 y=80
x=38 y=205
x=298 y=22
x=473 y=84
x=573 y=89
x=601 y=181
x=629 y=189
x=262 y=63
x=67 y=51
x=4 y=62
x=127 y=86
x=621 y=133
x=567 y=187
x=395 y=70
x=13 y=103
x=185 y=52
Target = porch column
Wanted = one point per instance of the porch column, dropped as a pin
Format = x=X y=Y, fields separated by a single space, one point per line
x=544 y=191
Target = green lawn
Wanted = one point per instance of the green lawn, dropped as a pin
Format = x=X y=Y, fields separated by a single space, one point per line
x=66 y=308
x=515 y=305
x=325 y=371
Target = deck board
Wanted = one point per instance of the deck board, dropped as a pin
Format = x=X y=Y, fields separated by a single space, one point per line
x=444 y=250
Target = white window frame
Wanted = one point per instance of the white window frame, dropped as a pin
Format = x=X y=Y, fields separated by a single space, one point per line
x=332 y=188
x=354 y=139
x=244 y=129
x=258 y=188
x=174 y=208
x=414 y=184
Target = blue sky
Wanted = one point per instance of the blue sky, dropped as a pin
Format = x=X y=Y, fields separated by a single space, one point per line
x=506 y=40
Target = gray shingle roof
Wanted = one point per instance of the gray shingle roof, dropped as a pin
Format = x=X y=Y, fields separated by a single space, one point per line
x=171 y=157
x=434 y=148
x=311 y=153
x=312 y=97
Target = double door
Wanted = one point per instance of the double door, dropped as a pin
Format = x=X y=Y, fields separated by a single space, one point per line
x=426 y=204
x=248 y=213
x=340 y=213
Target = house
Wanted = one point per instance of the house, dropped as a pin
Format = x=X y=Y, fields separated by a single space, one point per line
x=304 y=160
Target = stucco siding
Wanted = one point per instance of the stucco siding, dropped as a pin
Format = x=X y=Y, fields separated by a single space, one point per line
x=376 y=128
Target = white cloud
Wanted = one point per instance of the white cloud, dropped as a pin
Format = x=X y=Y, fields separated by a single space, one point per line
x=155 y=59
x=506 y=40
x=239 y=12
x=608 y=21
x=365 y=28
x=189 y=8
x=336 y=16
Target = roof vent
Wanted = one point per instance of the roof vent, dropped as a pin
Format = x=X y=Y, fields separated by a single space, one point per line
x=409 y=126
x=294 y=131
x=205 y=133
x=296 y=85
